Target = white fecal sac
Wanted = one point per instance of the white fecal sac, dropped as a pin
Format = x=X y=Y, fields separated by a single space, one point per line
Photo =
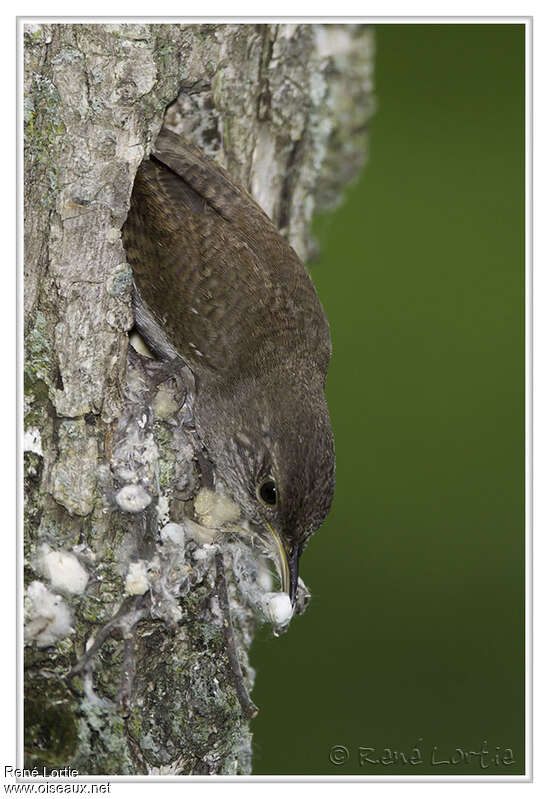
x=278 y=608
x=47 y=617
x=132 y=498
x=63 y=570
x=137 y=580
x=214 y=510
x=173 y=533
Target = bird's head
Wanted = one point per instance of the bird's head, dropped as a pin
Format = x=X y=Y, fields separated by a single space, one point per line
x=273 y=448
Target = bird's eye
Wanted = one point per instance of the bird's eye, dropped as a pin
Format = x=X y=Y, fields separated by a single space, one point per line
x=267 y=492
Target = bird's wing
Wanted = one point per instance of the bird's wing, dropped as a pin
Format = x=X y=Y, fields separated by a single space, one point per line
x=212 y=268
x=208 y=179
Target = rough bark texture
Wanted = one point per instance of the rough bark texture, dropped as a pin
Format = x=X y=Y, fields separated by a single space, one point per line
x=126 y=668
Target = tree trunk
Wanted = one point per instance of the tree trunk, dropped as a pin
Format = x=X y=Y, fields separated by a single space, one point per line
x=128 y=669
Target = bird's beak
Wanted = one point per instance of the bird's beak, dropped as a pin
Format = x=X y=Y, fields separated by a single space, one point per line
x=288 y=562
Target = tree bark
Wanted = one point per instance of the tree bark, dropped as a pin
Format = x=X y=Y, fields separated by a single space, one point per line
x=127 y=668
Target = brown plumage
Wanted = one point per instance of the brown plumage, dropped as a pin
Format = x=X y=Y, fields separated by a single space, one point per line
x=225 y=291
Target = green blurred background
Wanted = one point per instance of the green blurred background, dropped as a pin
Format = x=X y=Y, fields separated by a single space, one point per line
x=415 y=634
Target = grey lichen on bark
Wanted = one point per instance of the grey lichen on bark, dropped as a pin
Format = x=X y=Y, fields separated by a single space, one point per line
x=126 y=666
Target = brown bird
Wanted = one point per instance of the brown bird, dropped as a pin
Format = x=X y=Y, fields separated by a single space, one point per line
x=218 y=286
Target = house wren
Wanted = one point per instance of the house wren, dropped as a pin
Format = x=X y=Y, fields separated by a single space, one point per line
x=217 y=286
